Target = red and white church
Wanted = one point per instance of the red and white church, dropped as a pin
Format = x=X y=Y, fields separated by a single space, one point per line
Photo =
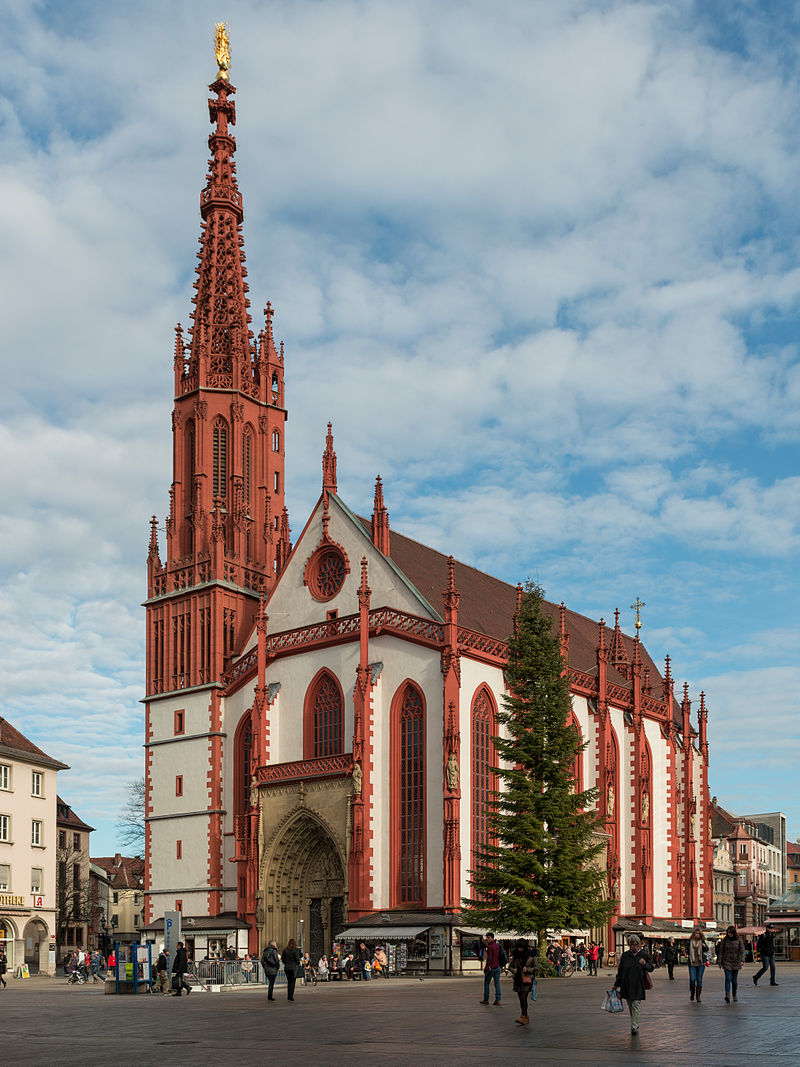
x=319 y=715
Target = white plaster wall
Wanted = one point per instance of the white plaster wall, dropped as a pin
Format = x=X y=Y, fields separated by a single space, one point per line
x=473 y=675
x=291 y=604
x=659 y=817
x=185 y=754
x=624 y=807
x=403 y=660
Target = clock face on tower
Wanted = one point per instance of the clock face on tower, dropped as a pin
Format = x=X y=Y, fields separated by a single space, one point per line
x=326 y=573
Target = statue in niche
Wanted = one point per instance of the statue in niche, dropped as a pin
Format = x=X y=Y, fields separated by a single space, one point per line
x=358 y=778
x=645 y=807
x=253 y=792
x=610 y=800
x=691 y=826
x=452 y=773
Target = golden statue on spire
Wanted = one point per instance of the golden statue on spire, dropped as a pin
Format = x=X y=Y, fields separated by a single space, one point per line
x=222 y=48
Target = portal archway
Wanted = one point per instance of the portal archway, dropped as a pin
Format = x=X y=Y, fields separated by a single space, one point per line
x=37 y=946
x=303 y=885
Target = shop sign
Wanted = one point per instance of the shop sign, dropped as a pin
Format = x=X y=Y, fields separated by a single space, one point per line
x=7 y=900
x=38 y=901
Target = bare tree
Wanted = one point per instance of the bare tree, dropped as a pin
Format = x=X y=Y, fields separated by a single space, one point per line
x=74 y=900
x=130 y=821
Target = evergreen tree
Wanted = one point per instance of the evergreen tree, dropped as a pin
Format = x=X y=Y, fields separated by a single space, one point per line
x=538 y=870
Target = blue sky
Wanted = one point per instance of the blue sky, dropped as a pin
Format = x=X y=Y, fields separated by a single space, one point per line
x=539 y=263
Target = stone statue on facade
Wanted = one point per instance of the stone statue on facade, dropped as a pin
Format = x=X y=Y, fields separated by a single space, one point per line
x=357 y=779
x=452 y=773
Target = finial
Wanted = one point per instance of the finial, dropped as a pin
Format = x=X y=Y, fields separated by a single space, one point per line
x=637 y=606
x=380 y=520
x=329 y=464
x=269 y=311
x=667 y=663
x=153 y=548
x=222 y=49
x=601 y=636
x=451 y=574
x=519 y=596
x=703 y=710
x=562 y=613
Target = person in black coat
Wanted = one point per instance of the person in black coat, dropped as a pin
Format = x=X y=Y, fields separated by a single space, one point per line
x=670 y=957
x=290 y=957
x=180 y=966
x=633 y=965
x=271 y=964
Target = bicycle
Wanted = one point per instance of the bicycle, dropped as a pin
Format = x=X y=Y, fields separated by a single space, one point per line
x=565 y=969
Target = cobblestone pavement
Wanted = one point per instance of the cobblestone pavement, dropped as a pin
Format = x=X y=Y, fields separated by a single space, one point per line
x=402 y=1021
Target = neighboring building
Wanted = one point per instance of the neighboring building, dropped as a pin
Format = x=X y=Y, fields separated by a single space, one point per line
x=72 y=881
x=125 y=876
x=774 y=856
x=724 y=876
x=792 y=863
x=758 y=862
x=100 y=896
x=319 y=717
x=27 y=851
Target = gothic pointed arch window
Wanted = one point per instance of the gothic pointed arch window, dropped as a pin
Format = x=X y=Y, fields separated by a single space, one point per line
x=408 y=797
x=247 y=468
x=188 y=486
x=483 y=729
x=577 y=767
x=323 y=718
x=276 y=440
x=243 y=748
x=220 y=460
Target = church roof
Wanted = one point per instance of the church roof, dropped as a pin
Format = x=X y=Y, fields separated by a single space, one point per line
x=488 y=605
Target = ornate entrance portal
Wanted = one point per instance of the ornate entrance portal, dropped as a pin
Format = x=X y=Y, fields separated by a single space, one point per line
x=303 y=885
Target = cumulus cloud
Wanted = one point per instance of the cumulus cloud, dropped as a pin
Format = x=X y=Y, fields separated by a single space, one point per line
x=538 y=263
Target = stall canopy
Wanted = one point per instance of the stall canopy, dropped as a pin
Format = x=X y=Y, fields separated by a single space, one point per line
x=381 y=933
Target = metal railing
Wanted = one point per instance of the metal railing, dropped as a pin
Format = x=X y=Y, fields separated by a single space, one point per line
x=229 y=972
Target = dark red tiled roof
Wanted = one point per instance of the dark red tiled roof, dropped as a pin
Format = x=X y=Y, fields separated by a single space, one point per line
x=488 y=604
x=67 y=819
x=123 y=872
x=15 y=742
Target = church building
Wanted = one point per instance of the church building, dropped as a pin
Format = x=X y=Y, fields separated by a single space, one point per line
x=320 y=715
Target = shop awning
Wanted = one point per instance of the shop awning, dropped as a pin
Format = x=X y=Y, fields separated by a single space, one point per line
x=381 y=933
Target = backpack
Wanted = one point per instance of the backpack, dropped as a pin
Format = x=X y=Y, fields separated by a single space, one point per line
x=503 y=957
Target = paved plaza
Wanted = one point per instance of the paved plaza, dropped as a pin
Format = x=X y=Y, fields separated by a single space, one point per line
x=402 y=1021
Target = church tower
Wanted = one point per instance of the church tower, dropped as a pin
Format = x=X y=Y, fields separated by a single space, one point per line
x=225 y=528
x=227 y=531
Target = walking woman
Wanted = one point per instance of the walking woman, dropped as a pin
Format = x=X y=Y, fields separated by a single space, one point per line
x=290 y=957
x=730 y=957
x=698 y=949
x=633 y=965
x=523 y=969
x=270 y=964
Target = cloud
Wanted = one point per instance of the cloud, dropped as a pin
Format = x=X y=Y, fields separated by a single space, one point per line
x=537 y=263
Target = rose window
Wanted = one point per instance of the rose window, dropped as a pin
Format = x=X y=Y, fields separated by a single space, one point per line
x=327 y=574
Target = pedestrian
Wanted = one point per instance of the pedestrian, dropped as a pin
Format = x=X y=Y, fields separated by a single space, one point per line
x=523 y=970
x=630 y=980
x=290 y=958
x=162 y=973
x=270 y=964
x=698 y=953
x=323 y=971
x=601 y=951
x=381 y=961
x=766 y=950
x=3 y=968
x=581 y=953
x=670 y=957
x=363 y=961
x=730 y=957
x=247 y=968
x=179 y=968
x=95 y=960
x=593 y=955
x=492 y=966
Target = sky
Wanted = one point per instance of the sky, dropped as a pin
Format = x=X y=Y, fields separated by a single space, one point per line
x=537 y=262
